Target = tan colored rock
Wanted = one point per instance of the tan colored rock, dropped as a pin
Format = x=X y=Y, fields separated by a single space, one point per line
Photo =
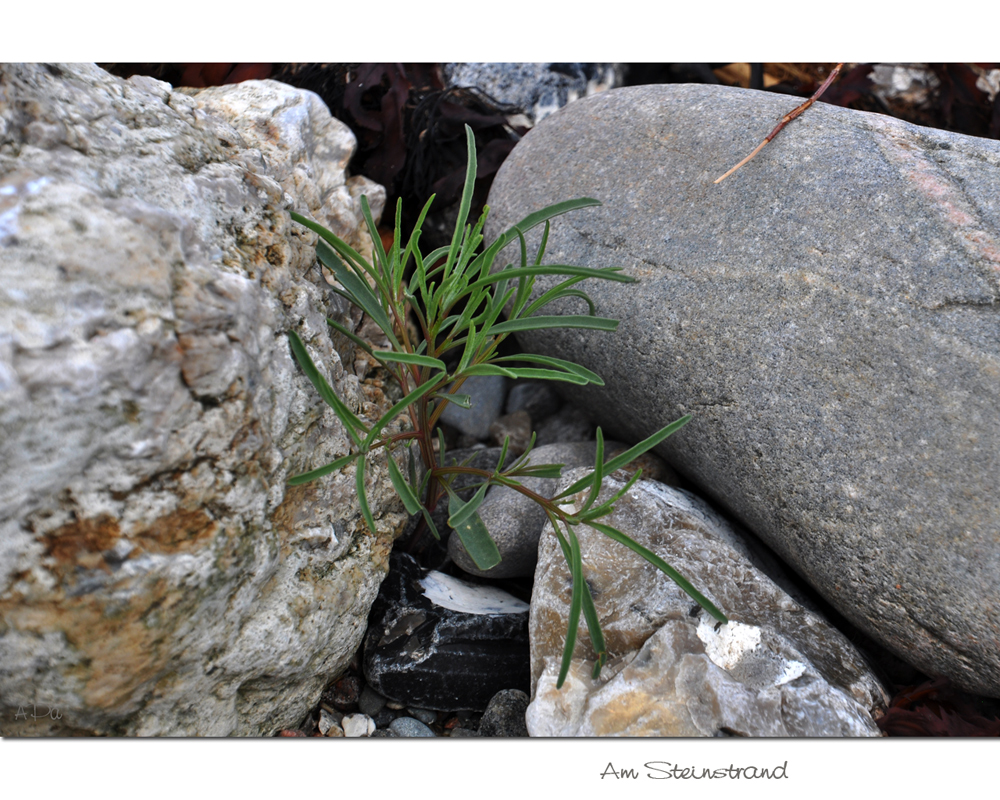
x=776 y=669
x=157 y=575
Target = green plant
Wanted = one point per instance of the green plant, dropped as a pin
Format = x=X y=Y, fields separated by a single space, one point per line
x=457 y=299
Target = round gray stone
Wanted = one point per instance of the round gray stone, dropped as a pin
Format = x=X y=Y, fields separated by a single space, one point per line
x=828 y=315
x=410 y=728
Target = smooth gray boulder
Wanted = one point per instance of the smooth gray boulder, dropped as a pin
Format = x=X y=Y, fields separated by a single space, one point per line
x=158 y=577
x=829 y=316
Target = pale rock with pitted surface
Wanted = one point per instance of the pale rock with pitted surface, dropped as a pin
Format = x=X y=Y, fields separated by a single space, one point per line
x=157 y=574
x=775 y=669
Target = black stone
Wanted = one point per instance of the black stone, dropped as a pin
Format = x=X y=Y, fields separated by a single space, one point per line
x=504 y=716
x=419 y=653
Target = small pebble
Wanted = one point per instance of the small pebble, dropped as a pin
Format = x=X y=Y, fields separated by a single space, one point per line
x=537 y=398
x=424 y=715
x=504 y=716
x=464 y=733
x=370 y=702
x=384 y=718
x=569 y=424
x=410 y=727
x=517 y=426
x=356 y=725
x=384 y=734
x=343 y=695
x=327 y=721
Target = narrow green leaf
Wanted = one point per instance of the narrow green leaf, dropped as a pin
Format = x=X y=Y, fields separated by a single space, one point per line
x=346 y=416
x=411 y=466
x=333 y=466
x=568 y=321
x=377 y=247
x=413 y=244
x=394 y=254
x=523 y=458
x=559 y=292
x=503 y=456
x=353 y=337
x=493 y=310
x=589 y=613
x=433 y=257
x=460 y=400
x=486 y=369
x=466 y=202
x=608 y=505
x=646 y=444
x=598 y=474
x=411 y=358
x=359 y=479
x=546 y=374
x=430 y=523
x=403 y=489
x=469 y=350
x=350 y=255
x=459 y=514
x=569 y=366
x=441 y=449
x=576 y=602
x=358 y=288
x=542 y=246
x=540 y=216
x=539 y=471
x=605 y=273
x=663 y=566
x=473 y=535
x=632 y=453
x=596 y=634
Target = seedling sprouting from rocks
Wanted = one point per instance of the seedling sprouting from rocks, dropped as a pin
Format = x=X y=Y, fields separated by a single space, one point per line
x=456 y=299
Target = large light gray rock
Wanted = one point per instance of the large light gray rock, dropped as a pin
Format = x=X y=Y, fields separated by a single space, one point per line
x=157 y=576
x=775 y=669
x=829 y=316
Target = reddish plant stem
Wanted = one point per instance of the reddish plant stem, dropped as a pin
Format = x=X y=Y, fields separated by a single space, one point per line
x=786 y=119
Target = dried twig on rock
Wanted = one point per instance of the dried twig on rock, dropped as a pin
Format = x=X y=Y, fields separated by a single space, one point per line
x=786 y=119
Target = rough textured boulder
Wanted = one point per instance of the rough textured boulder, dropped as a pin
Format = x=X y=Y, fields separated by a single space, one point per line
x=829 y=316
x=157 y=576
x=775 y=669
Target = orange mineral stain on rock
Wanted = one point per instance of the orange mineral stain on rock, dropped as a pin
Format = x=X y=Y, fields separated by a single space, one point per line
x=180 y=531
x=71 y=542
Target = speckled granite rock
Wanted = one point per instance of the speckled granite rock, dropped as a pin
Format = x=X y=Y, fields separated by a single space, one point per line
x=157 y=577
x=775 y=669
x=828 y=314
